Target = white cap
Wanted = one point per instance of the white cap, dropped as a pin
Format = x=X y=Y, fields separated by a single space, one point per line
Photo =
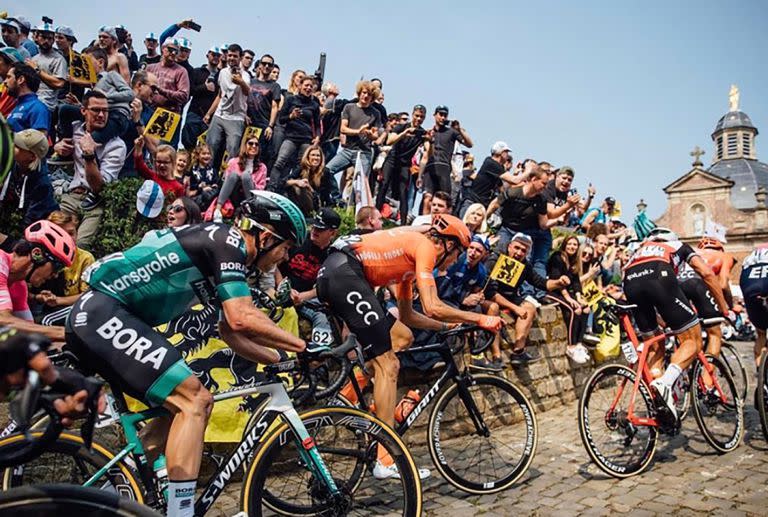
x=150 y=199
x=499 y=147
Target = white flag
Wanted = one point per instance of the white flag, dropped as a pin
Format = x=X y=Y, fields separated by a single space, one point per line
x=361 y=191
x=457 y=162
x=715 y=230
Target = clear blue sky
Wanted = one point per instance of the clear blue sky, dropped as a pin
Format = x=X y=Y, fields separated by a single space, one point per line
x=621 y=91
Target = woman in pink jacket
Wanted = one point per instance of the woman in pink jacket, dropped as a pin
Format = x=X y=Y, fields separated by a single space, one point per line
x=247 y=170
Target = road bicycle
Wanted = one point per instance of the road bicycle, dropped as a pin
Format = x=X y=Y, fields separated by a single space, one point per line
x=761 y=395
x=482 y=431
x=617 y=414
x=328 y=443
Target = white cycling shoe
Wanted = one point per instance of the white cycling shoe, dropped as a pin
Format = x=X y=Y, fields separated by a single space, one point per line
x=380 y=471
x=665 y=393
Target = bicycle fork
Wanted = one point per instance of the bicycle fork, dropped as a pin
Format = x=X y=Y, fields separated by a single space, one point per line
x=309 y=453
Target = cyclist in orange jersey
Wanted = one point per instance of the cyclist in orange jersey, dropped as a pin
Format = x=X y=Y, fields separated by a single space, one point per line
x=359 y=263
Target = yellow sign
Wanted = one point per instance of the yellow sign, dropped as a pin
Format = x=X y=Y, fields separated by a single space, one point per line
x=224 y=162
x=81 y=70
x=162 y=125
x=592 y=293
x=250 y=132
x=507 y=270
x=202 y=137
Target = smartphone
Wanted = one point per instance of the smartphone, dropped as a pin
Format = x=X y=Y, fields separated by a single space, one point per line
x=47 y=20
x=195 y=26
x=573 y=191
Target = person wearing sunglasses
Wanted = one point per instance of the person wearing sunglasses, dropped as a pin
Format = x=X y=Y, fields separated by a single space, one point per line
x=45 y=250
x=247 y=169
x=183 y=211
x=263 y=102
x=172 y=83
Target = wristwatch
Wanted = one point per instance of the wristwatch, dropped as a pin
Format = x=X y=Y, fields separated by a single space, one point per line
x=89 y=157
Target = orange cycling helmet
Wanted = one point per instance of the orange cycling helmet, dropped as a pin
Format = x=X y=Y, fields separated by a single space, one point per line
x=56 y=242
x=451 y=228
x=710 y=242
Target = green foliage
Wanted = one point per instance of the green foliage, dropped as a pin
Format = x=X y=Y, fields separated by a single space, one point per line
x=121 y=225
x=347 y=219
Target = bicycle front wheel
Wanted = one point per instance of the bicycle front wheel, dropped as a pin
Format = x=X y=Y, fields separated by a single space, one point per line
x=730 y=356
x=718 y=410
x=619 y=447
x=41 y=500
x=278 y=480
x=67 y=461
x=761 y=399
x=496 y=456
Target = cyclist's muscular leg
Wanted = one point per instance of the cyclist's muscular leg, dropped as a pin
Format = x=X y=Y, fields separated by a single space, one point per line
x=759 y=345
x=714 y=340
x=191 y=405
x=690 y=345
x=385 y=370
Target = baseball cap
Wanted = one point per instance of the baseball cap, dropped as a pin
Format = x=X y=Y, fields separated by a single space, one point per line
x=610 y=200
x=172 y=41
x=522 y=237
x=22 y=21
x=12 y=55
x=214 y=50
x=151 y=36
x=11 y=22
x=566 y=170
x=185 y=43
x=45 y=27
x=482 y=241
x=33 y=141
x=66 y=31
x=150 y=199
x=109 y=30
x=441 y=109
x=499 y=147
x=326 y=219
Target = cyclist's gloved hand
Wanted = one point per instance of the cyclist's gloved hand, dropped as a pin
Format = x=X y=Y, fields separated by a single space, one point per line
x=490 y=323
x=19 y=353
x=283 y=293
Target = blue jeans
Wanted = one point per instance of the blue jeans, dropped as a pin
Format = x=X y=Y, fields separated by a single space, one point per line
x=193 y=128
x=345 y=158
x=290 y=153
x=224 y=135
x=542 y=244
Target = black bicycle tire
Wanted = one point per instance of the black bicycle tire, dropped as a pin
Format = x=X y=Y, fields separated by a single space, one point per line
x=253 y=485
x=724 y=378
x=736 y=370
x=72 y=445
x=435 y=447
x=599 y=459
x=60 y=499
x=762 y=403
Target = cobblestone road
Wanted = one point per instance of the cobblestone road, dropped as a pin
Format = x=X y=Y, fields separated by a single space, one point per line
x=686 y=478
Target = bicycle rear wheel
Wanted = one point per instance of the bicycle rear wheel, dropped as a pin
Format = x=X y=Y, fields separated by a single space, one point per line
x=65 y=500
x=730 y=356
x=67 y=461
x=279 y=481
x=761 y=398
x=616 y=445
x=718 y=410
x=482 y=462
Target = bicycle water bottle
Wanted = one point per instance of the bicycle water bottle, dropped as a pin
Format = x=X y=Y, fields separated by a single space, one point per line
x=161 y=476
x=629 y=352
x=406 y=405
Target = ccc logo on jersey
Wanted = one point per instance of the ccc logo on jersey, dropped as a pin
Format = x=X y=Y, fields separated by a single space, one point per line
x=362 y=307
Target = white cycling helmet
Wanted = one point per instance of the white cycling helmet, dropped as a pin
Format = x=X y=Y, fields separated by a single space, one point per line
x=661 y=234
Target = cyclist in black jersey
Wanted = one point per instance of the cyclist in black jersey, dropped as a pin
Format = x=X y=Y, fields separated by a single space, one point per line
x=110 y=326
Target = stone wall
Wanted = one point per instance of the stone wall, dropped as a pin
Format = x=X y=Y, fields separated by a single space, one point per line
x=551 y=382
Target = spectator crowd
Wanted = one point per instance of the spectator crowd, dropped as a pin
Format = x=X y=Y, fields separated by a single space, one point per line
x=241 y=130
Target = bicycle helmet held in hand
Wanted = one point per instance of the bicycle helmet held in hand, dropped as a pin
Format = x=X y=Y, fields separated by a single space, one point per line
x=56 y=244
x=710 y=243
x=660 y=234
x=278 y=212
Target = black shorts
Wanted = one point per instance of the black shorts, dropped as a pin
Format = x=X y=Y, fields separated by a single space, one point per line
x=437 y=176
x=120 y=347
x=700 y=296
x=754 y=289
x=653 y=287
x=341 y=284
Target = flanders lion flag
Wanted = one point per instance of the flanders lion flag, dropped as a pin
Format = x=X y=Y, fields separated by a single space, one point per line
x=195 y=335
x=81 y=70
x=162 y=124
x=507 y=270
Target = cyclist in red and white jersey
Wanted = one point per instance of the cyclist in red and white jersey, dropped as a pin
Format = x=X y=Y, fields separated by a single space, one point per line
x=650 y=282
x=45 y=250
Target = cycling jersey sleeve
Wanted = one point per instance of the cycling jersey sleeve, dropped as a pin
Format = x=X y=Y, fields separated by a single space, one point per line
x=685 y=253
x=426 y=256
x=226 y=254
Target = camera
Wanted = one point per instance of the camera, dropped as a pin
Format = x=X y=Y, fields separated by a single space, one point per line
x=46 y=19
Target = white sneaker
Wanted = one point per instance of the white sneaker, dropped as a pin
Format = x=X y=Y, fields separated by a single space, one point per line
x=665 y=393
x=217 y=218
x=584 y=353
x=575 y=354
x=380 y=471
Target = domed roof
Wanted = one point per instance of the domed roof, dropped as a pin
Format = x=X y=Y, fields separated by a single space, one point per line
x=734 y=119
x=747 y=175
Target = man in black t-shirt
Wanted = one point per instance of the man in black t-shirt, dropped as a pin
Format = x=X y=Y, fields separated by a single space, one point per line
x=405 y=140
x=151 y=56
x=263 y=103
x=204 y=87
x=303 y=265
x=331 y=120
x=443 y=137
x=490 y=177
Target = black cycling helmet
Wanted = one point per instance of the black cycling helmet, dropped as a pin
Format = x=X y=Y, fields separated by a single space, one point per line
x=277 y=211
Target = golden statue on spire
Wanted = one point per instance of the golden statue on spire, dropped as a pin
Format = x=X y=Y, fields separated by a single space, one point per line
x=733 y=98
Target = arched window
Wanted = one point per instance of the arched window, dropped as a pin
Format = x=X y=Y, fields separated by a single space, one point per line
x=698 y=219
